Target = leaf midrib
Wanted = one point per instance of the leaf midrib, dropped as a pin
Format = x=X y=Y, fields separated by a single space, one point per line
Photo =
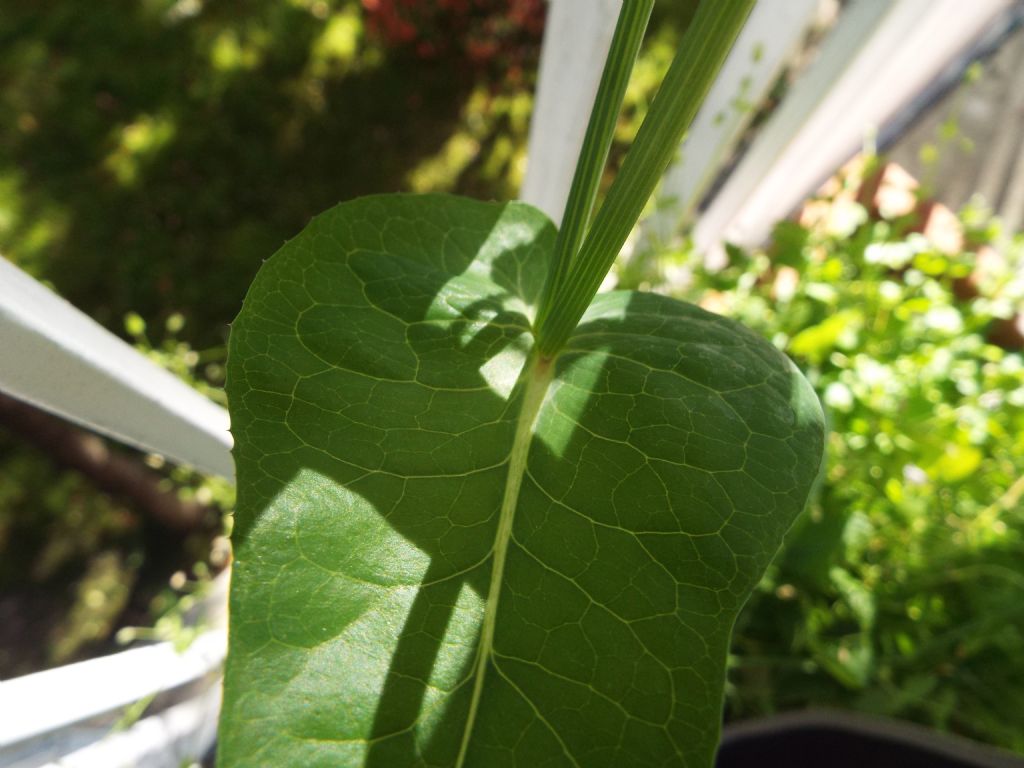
x=536 y=378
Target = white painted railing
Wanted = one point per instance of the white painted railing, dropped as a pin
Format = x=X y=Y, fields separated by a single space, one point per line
x=878 y=56
x=61 y=360
x=68 y=716
x=773 y=34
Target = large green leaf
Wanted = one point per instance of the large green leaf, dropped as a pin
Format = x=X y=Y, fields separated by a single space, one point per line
x=451 y=552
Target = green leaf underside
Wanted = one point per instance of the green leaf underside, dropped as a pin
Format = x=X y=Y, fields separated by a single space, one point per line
x=450 y=552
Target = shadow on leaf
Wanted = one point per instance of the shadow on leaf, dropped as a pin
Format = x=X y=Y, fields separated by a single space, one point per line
x=374 y=397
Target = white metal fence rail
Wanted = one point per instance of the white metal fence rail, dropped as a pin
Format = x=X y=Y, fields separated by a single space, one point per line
x=58 y=358
x=880 y=54
x=768 y=41
x=54 y=715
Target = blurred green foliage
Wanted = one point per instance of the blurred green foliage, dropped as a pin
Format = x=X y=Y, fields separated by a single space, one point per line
x=154 y=152
x=68 y=557
x=901 y=591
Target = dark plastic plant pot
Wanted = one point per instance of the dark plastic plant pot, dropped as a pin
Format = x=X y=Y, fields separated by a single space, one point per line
x=832 y=739
x=829 y=739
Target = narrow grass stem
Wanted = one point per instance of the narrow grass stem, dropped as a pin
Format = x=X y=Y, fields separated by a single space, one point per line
x=702 y=52
x=629 y=33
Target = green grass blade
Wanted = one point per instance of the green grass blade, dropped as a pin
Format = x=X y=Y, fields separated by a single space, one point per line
x=629 y=33
x=702 y=52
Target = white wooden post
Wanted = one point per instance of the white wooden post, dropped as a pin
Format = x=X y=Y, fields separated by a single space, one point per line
x=772 y=34
x=877 y=57
x=577 y=36
x=56 y=357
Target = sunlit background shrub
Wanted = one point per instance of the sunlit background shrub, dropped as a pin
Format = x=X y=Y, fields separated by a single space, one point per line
x=901 y=591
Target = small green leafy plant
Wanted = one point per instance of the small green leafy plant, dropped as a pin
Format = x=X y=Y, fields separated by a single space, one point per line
x=485 y=517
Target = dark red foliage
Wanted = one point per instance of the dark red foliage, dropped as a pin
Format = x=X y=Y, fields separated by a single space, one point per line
x=493 y=35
